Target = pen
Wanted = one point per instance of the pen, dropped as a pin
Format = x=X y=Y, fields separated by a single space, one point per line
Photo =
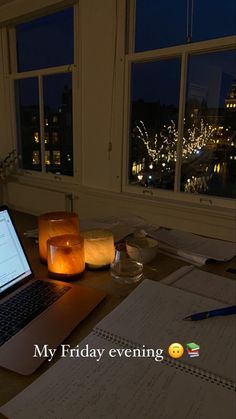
x=224 y=311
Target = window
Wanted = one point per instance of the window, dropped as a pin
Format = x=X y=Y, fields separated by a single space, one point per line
x=43 y=79
x=209 y=143
x=162 y=24
x=154 y=102
x=182 y=93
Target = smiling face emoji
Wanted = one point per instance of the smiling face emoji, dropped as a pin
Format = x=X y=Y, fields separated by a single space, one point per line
x=175 y=350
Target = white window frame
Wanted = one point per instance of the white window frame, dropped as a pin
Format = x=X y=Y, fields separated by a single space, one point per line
x=13 y=75
x=183 y=52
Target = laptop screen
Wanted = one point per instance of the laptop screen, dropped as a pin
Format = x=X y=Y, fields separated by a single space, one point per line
x=13 y=263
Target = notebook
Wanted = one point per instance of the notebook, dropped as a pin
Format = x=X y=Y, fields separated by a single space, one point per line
x=33 y=311
x=137 y=387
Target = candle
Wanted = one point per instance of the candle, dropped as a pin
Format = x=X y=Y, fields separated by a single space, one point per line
x=54 y=224
x=98 y=248
x=65 y=255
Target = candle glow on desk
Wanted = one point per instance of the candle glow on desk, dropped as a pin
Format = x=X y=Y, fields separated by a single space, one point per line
x=65 y=256
x=98 y=248
x=54 y=224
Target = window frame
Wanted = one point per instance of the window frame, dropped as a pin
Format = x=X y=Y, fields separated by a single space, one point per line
x=14 y=75
x=183 y=51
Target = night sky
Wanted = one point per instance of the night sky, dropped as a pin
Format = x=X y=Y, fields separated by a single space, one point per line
x=48 y=41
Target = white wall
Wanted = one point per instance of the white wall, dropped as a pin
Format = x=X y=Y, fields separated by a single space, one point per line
x=100 y=54
x=99 y=189
x=6 y=140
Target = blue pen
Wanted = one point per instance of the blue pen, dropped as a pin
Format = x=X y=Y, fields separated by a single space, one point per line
x=224 y=311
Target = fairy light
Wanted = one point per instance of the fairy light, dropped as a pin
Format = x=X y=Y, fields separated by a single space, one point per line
x=163 y=146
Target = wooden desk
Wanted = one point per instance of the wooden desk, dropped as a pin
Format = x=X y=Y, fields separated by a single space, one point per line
x=12 y=383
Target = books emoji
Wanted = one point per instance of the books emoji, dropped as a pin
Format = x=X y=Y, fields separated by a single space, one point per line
x=192 y=349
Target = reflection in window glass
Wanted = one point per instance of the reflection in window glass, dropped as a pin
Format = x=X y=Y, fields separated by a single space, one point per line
x=153 y=126
x=158 y=25
x=58 y=122
x=46 y=41
x=27 y=108
x=209 y=144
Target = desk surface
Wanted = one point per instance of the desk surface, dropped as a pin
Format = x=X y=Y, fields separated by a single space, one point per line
x=12 y=383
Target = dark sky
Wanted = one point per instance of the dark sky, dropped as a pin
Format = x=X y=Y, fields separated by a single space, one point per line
x=164 y=23
x=48 y=41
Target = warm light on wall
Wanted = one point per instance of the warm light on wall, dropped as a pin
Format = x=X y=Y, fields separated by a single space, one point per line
x=98 y=248
x=54 y=224
x=65 y=256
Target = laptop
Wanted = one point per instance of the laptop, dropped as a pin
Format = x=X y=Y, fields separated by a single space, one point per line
x=34 y=311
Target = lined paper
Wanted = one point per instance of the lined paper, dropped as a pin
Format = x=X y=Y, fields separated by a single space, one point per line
x=115 y=388
x=204 y=283
x=153 y=315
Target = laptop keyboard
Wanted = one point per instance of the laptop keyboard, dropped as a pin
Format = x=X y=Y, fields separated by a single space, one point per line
x=26 y=305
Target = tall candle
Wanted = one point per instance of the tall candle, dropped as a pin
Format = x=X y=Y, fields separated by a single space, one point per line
x=65 y=256
x=98 y=248
x=54 y=224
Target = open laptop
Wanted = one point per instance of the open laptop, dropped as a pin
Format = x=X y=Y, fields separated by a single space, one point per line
x=34 y=312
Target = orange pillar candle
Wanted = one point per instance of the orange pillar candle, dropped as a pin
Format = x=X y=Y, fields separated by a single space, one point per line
x=54 y=224
x=65 y=256
x=99 y=248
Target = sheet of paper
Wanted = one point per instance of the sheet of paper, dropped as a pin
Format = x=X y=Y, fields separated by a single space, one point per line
x=153 y=315
x=184 y=244
x=133 y=388
x=196 y=260
x=204 y=283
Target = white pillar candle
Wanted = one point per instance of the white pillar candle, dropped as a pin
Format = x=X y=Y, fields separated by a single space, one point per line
x=99 y=248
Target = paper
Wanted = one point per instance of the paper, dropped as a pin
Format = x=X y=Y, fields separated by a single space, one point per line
x=183 y=245
x=192 y=247
x=204 y=283
x=153 y=315
x=32 y=234
x=119 y=388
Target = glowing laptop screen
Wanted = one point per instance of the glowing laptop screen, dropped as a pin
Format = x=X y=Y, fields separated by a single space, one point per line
x=13 y=263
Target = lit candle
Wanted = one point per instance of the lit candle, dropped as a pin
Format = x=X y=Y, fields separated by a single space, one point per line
x=99 y=248
x=65 y=256
x=54 y=224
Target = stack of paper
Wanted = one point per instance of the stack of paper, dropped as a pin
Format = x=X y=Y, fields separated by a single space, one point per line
x=191 y=247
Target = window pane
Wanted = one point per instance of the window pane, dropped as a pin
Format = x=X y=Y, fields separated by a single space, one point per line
x=154 y=116
x=159 y=24
x=163 y=24
x=45 y=42
x=213 y=19
x=27 y=109
x=209 y=145
x=58 y=123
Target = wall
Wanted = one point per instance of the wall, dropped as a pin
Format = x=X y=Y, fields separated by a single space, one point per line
x=101 y=55
x=6 y=140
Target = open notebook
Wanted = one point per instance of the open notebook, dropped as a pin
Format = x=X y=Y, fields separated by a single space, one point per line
x=130 y=387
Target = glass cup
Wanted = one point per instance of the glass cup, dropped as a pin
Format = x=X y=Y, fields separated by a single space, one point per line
x=125 y=270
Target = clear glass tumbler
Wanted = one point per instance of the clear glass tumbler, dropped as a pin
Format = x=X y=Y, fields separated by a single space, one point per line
x=125 y=270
